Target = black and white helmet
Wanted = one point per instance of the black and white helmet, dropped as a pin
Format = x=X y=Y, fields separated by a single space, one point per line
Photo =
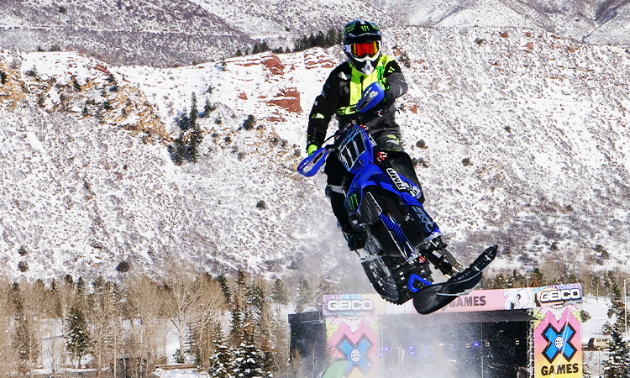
x=362 y=45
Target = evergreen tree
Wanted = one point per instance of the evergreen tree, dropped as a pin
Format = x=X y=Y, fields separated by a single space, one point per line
x=24 y=340
x=303 y=297
x=225 y=287
x=237 y=325
x=255 y=297
x=266 y=360
x=177 y=150
x=191 y=344
x=186 y=146
x=196 y=137
x=222 y=362
x=618 y=363
x=77 y=337
x=250 y=122
x=241 y=284
x=248 y=359
x=194 y=113
x=207 y=109
x=80 y=287
x=279 y=293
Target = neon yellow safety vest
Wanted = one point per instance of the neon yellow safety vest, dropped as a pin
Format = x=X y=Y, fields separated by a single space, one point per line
x=359 y=81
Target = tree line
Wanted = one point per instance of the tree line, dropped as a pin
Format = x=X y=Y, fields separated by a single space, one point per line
x=320 y=39
x=230 y=327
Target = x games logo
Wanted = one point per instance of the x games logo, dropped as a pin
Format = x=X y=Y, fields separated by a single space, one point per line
x=559 y=342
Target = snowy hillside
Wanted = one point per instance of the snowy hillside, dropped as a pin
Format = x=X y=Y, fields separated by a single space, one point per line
x=154 y=32
x=525 y=133
x=168 y=33
x=596 y=22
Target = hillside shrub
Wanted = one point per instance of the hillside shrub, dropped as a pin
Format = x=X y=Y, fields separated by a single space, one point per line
x=23 y=266
x=76 y=85
x=32 y=72
x=123 y=267
x=207 y=109
x=3 y=77
x=249 y=123
x=404 y=58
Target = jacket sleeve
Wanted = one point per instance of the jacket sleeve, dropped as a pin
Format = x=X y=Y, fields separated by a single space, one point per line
x=397 y=86
x=325 y=105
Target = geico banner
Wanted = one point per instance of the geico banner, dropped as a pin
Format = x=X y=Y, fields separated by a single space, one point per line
x=477 y=300
x=353 y=305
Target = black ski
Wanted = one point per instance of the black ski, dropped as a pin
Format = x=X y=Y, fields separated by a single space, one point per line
x=434 y=297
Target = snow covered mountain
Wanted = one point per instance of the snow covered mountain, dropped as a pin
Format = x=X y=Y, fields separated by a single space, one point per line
x=167 y=33
x=520 y=136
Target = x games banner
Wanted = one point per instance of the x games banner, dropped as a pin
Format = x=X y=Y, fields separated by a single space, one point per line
x=558 y=332
x=557 y=346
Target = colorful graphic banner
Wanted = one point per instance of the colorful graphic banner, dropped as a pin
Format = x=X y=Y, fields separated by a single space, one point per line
x=353 y=346
x=353 y=305
x=517 y=299
x=477 y=300
x=352 y=327
x=557 y=344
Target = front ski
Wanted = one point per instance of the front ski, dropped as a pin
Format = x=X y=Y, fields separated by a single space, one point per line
x=434 y=297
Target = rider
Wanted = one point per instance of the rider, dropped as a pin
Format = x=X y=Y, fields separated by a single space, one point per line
x=342 y=91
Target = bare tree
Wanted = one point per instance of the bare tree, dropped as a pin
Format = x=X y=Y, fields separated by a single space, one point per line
x=62 y=300
x=29 y=300
x=101 y=314
x=182 y=297
x=145 y=304
x=211 y=305
x=8 y=355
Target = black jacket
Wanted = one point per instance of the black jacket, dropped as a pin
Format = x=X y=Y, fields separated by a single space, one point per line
x=336 y=95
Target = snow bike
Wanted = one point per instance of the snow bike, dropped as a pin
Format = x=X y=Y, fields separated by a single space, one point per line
x=402 y=239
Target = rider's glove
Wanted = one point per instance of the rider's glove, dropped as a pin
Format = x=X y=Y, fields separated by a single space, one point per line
x=311 y=149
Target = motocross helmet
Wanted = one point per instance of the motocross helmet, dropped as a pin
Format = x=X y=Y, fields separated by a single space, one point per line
x=362 y=45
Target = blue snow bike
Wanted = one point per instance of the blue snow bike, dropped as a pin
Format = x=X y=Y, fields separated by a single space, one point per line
x=403 y=241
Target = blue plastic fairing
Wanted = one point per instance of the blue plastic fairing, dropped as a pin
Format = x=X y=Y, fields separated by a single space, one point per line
x=309 y=166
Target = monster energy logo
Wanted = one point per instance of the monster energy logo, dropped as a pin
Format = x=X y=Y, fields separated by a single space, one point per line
x=353 y=202
x=363 y=27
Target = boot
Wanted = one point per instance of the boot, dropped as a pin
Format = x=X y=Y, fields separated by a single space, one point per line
x=356 y=238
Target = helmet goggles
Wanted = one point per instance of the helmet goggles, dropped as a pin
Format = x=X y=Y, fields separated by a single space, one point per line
x=363 y=51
